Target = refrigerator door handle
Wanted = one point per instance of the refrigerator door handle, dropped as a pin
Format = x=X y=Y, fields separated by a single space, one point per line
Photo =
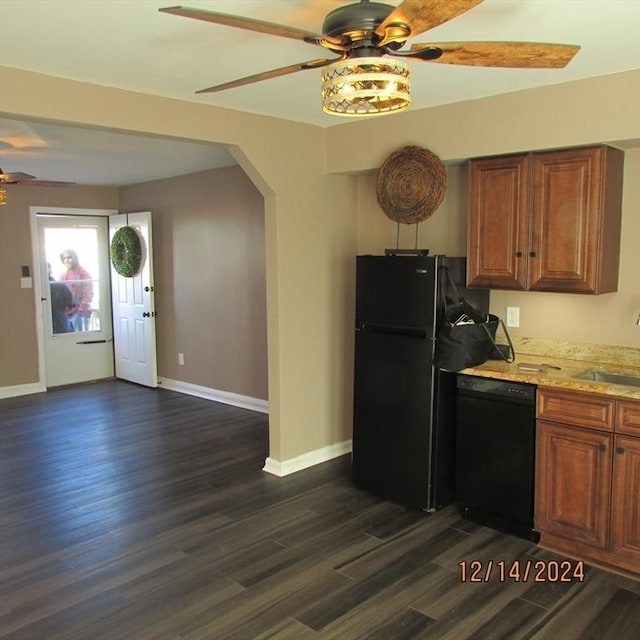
x=414 y=332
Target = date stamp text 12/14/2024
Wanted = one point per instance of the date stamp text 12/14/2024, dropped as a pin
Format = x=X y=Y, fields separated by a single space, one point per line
x=521 y=570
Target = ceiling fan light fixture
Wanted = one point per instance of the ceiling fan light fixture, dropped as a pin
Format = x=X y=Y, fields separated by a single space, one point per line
x=366 y=86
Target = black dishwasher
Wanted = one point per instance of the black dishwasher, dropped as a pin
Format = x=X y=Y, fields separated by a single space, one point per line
x=495 y=453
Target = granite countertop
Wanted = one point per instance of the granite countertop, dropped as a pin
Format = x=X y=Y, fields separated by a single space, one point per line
x=573 y=359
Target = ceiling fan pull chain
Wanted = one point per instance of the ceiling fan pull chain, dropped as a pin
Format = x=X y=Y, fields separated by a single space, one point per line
x=416 y=241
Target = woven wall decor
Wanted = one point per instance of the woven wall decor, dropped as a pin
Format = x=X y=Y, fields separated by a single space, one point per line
x=411 y=184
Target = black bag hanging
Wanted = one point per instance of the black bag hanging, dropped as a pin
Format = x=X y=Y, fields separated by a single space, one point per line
x=467 y=337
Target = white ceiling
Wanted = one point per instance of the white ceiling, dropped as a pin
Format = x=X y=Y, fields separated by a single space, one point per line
x=130 y=45
x=96 y=157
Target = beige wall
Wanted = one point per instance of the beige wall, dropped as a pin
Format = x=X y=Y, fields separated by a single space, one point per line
x=599 y=110
x=18 y=343
x=317 y=215
x=210 y=284
x=591 y=111
x=310 y=238
x=445 y=231
x=605 y=319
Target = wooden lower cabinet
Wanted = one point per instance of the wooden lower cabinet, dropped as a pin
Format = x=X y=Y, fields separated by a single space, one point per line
x=588 y=482
x=625 y=524
x=574 y=484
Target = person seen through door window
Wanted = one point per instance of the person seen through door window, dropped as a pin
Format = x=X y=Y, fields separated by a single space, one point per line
x=78 y=279
x=61 y=304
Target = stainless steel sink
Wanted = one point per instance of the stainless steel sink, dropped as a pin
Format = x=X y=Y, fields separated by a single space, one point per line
x=614 y=378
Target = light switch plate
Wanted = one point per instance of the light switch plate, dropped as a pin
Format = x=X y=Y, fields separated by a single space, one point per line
x=513 y=316
x=26 y=283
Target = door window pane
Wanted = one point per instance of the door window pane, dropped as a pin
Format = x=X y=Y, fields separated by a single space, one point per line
x=74 y=278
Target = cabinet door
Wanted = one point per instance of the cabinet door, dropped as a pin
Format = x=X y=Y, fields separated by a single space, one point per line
x=498 y=206
x=571 y=222
x=573 y=485
x=625 y=529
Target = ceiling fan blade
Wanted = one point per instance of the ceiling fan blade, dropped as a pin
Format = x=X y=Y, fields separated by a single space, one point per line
x=251 y=24
x=518 y=55
x=274 y=73
x=422 y=15
x=44 y=183
x=12 y=178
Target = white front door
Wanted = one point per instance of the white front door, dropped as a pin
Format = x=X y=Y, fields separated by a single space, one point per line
x=134 y=323
x=73 y=256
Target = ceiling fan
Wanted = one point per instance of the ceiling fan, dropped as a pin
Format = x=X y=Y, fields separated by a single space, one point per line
x=25 y=179
x=374 y=29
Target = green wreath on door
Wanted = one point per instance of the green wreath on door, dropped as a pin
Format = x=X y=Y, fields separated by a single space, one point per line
x=126 y=252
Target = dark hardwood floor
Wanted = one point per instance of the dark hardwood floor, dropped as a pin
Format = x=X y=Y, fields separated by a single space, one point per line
x=130 y=513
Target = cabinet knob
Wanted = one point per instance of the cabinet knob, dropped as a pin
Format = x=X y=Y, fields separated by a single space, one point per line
x=532 y=254
x=619 y=450
x=518 y=254
x=602 y=447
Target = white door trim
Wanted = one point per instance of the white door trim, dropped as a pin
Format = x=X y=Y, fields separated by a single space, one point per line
x=35 y=261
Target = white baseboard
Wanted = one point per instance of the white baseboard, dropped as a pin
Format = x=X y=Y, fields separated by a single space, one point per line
x=306 y=460
x=226 y=397
x=22 y=390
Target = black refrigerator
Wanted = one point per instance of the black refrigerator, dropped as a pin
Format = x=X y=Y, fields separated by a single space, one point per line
x=404 y=408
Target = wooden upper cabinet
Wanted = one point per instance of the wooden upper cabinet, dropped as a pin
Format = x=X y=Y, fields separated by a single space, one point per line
x=576 y=199
x=499 y=205
x=546 y=221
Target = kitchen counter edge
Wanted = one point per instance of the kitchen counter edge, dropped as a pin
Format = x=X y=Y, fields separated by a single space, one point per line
x=564 y=377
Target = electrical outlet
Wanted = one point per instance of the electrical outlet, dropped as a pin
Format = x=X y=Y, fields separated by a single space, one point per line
x=181 y=358
x=513 y=316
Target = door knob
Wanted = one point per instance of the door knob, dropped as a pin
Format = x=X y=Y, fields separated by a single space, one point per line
x=146 y=314
x=148 y=289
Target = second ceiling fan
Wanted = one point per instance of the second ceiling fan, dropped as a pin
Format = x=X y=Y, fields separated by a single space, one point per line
x=26 y=179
